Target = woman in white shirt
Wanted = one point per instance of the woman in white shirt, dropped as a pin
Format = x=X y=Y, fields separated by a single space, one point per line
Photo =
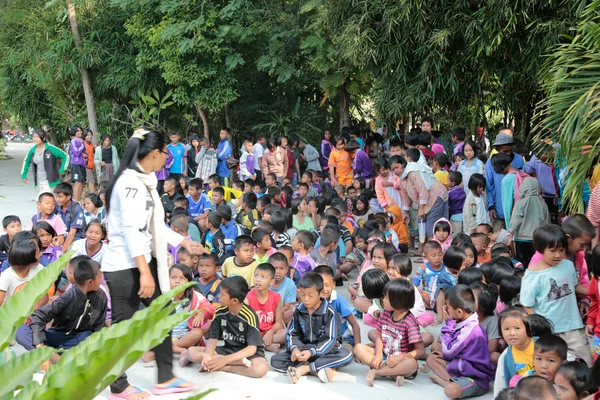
x=135 y=259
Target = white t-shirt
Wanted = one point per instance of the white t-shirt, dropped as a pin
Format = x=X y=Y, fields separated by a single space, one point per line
x=10 y=282
x=257 y=152
x=482 y=216
x=80 y=249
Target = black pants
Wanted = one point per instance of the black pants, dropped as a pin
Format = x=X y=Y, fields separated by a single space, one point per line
x=336 y=358
x=524 y=251
x=259 y=177
x=124 y=287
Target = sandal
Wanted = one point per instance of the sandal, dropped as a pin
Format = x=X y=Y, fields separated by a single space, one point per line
x=173 y=387
x=126 y=393
x=292 y=375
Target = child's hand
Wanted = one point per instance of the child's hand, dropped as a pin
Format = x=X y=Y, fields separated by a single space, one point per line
x=376 y=361
x=376 y=314
x=268 y=338
x=437 y=353
x=55 y=241
x=583 y=308
x=46 y=365
x=393 y=361
x=205 y=360
x=589 y=330
x=198 y=320
x=304 y=355
x=295 y=354
x=215 y=364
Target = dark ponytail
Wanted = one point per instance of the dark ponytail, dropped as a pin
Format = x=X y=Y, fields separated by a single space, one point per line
x=137 y=149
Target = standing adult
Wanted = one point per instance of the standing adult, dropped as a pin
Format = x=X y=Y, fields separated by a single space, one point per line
x=493 y=180
x=106 y=159
x=135 y=263
x=48 y=163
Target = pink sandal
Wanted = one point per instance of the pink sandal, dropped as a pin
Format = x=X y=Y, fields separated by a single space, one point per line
x=125 y=393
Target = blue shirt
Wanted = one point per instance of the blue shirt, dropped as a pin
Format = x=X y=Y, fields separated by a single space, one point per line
x=361 y=143
x=196 y=209
x=341 y=306
x=73 y=218
x=178 y=152
x=493 y=184
x=287 y=290
x=223 y=153
x=211 y=290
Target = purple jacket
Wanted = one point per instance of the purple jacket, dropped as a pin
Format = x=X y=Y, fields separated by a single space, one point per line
x=303 y=264
x=362 y=165
x=325 y=152
x=465 y=347
x=76 y=150
x=458 y=148
x=456 y=200
x=544 y=175
x=164 y=171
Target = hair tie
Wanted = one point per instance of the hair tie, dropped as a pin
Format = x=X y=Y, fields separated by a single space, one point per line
x=140 y=133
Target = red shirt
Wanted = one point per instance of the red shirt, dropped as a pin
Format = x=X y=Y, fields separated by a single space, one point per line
x=266 y=312
x=398 y=337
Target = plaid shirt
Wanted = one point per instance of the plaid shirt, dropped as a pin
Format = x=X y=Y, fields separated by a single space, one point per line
x=207 y=164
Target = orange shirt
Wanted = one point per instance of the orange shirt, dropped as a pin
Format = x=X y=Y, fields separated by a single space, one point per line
x=89 y=149
x=486 y=258
x=342 y=161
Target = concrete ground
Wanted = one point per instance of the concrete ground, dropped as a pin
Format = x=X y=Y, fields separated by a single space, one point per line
x=18 y=198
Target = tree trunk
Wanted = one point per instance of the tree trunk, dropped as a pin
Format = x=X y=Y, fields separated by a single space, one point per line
x=204 y=119
x=344 y=107
x=87 y=87
x=228 y=117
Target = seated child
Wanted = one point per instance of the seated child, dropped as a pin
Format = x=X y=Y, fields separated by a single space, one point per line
x=481 y=242
x=549 y=353
x=486 y=304
x=303 y=261
x=288 y=252
x=350 y=331
x=93 y=208
x=263 y=245
x=314 y=350
x=535 y=388
x=249 y=216
x=283 y=285
x=198 y=203
x=325 y=254
x=190 y=260
x=68 y=327
x=71 y=213
x=398 y=343
x=235 y=323
x=243 y=263
x=428 y=272
x=179 y=224
x=574 y=378
x=381 y=255
x=11 y=225
x=267 y=305
x=442 y=233
x=463 y=366
x=454 y=262
x=50 y=250
x=209 y=281
x=93 y=245
x=230 y=229
x=47 y=212
x=213 y=239
x=23 y=258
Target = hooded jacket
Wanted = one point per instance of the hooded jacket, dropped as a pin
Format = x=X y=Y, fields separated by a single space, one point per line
x=398 y=225
x=52 y=155
x=530 y=211
x=446 y=243
x=317 y=332
x=76 y=150
x=276 y=163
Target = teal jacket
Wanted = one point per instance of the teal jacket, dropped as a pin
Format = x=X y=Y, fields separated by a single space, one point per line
x=55 y=164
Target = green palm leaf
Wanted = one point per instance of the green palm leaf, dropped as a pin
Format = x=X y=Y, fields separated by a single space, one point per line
x=18 y=371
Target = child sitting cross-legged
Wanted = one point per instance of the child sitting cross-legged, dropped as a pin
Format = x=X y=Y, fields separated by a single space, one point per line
x=237 y=325
x=283 y=285
x=312 y=337
x=398 y=343
x=263 y=245
x=76 y=314
x=461 y=365
x=267 y=305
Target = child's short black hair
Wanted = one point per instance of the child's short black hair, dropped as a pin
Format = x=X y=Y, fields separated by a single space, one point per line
x=84 y=268
x=432 y=245
x=555 y=343
x=306 y=238
x=214 y=178
x=461 y=297
x=469 y=276
x=225 y=212
x=373 y=283
x=45 y=226
x=332 y=211
x=443 y=226
x=476 y=181
x=461 y=239
x=64 y=188
x=94 y=199
x=45 y=194
x=342 y=207
x=414 y=154
x=506 y=394
x=236 y=287
x=214 y=219
x=518 y=313
x=403 y=264
x=398 y=160
x=579 y=377
x=549 y=237
x=22 y=253
x=400 y=293
x=424 y=139
x=210 y=256
x=500 y=161
x=279 y=221
x=264 y=200
x=9 y=219
x=237 y=184
x=482 y=236
x=259 y=234
x=266 y=225
x=241 y=241
x=509 y=290
x=278 y=257
x=180 y=222
x=267 y=268
x=535 y=387
x=454 y=258
x=309 y=280
x=578 y=225
x=441 y=159
x=412 y=139
x=488 y=228
x=329 y=236
x=395 y=143
x=28 y=236
x=499 y=248
x=325 y=270
x=196 y=183
x=455 y=177
x=250 y=200
x=388 y=250
x=172 y=180
x=487 y=296
x=501 y=268
x=220 y=190
x=272 y=176
x=540 y=325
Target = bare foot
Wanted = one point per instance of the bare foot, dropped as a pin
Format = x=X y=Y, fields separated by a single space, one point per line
x=148 y=356
x=183 y=360
x=371 y=377
x=273 y=348
x=399 y=380
x=425 y=369
x=436 y=379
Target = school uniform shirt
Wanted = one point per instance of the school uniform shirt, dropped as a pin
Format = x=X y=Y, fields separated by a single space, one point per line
x=211 y=289
x=330 y=259
x=266 y=311
x=303 y=264
x=287 y=290
x=131 y=208
x=398 y=337
x=341 y=306
x=80 y=249
x=169 y=201
x=50 y=254
x=257 y=152
x=215 y=243
x=231 y=268
x=54 y=220
x=196 y=208
x=73 y=218
x=237 y=331
x=551 y=293
x=178 y=152
x=10 y=282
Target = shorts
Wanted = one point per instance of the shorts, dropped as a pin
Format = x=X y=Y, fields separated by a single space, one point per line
x=225 y=351
x=78 y=173
x=468 y=387
x=89 y=175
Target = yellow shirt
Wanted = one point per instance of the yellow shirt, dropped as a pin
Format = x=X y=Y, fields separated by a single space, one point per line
x=442 y=176
x=230 y=268
x=228 y=192
x=524 y=359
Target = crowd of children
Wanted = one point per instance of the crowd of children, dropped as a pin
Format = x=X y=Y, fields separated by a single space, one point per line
x=510 y=287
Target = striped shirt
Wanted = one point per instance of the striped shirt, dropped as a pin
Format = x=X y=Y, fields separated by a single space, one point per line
x=593 y=211
x=398 y=337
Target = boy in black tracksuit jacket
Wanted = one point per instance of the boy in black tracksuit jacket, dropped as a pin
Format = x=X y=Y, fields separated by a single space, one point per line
x=312 y=337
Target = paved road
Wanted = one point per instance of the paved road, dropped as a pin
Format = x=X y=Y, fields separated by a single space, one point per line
x=18 y=198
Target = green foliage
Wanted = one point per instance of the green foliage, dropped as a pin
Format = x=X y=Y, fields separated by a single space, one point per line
x=297 y=122
x=18 y=371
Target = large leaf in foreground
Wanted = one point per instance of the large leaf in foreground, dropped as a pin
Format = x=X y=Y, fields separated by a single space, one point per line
x=17 y=372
